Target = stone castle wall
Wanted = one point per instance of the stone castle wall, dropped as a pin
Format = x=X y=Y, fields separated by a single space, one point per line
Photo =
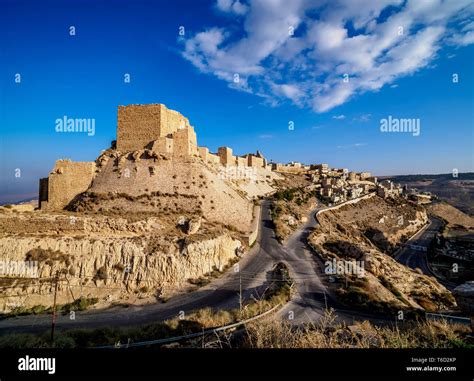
x=138 y=125
x=185 y=142
x=225 y=155
x=255 y=161
x=213 y=158
x=287 y=168
x=67 y=180
x=241 y=161
x=163 y=144
x=172 y=121
x=203 y=153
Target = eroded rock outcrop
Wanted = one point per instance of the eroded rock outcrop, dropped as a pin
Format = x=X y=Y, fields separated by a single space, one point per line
x=107 y=258
x=367 y=233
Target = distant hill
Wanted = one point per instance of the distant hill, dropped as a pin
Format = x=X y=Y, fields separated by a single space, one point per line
x=457 y=191
x=31 y=200
x=444 y=176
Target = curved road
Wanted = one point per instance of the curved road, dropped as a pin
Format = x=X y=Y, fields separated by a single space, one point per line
x=310 y=300
x=413 y=253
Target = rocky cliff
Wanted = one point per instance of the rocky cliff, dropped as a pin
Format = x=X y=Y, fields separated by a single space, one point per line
x=108 y=258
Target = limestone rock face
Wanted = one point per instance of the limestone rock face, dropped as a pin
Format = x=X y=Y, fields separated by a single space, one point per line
x=111 y=258
x=193 y=225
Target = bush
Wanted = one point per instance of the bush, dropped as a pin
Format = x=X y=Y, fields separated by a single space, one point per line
x=80 y=304
x=285 y=194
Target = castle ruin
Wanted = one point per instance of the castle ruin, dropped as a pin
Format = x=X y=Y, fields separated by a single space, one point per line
x=67 y=180
x=151 y=127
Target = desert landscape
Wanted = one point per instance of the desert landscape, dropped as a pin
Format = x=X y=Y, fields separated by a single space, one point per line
x=251 y=186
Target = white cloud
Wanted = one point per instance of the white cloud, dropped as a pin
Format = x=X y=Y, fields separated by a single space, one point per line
x=229 y=6
x=339 y=117
x=347 y=38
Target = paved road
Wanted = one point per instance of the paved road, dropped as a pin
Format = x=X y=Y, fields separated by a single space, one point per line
x=312 y=296
x=308 y=304
x=416 y=258
x=222 y=293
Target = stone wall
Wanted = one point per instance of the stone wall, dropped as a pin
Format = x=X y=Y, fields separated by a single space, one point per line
x=163 y=144
x=172 y=121
x=67 y=180
x=287 y=168
x=213 y=158
x=185 y=142
x=254 y=161
x=138 y=125
x=207 y=156
x=241 y=161
x=203 y=153
x=226 y=157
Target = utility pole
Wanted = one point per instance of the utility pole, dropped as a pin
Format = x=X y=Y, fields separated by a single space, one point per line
x=53 y=318
x=240 y=294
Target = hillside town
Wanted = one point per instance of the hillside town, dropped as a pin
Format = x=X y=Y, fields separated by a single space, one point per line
x=337 y=185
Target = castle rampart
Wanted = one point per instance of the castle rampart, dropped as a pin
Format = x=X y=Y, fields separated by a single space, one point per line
x=67 y=180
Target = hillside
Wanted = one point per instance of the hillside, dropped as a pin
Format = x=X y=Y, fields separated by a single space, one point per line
x=451 y=215
x=144 y=181
x=367 y=232
x=457 y=191
x=113 y=259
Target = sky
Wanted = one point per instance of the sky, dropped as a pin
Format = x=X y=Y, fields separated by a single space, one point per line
x=299 y=80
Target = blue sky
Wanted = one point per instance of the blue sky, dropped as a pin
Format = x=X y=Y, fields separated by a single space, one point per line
x=283 y=76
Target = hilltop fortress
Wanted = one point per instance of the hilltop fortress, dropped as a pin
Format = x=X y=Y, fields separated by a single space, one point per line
x=167 y=131
x=156 y=165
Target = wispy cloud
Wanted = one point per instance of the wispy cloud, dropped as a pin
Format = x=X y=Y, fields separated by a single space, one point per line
x=265 y=136
x=324 y=64
x=339 y=117
x=362 y=118
x=355 y=145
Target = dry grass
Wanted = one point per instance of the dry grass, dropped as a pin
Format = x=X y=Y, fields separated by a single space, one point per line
x=328 y=334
